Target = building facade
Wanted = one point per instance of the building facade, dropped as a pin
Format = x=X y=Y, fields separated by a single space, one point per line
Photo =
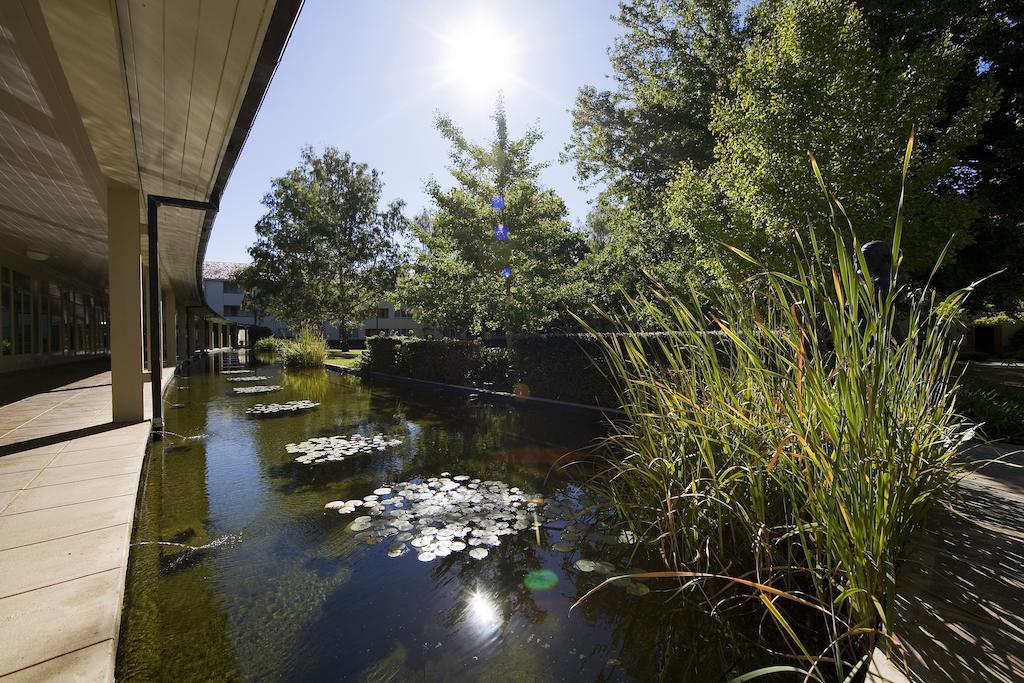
x=120 y=125
x=225 y=297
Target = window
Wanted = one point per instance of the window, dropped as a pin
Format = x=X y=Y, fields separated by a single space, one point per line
x=231 y=287
x=230 y=310
x=383 y=312
x=402 y=313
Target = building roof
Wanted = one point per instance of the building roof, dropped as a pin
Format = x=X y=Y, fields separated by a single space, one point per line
x=151 y=95
x=220 y=270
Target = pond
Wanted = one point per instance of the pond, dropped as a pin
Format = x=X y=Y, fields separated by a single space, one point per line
x=463 y=564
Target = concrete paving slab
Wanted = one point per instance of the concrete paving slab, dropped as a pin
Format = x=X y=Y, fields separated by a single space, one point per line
x=29 y=463
x=40 y=625
x=74 y=492
x=91 y=664
x=16 y=480
x=52 y=523
x=38 y=565
x=68 y=483
x=82 y=472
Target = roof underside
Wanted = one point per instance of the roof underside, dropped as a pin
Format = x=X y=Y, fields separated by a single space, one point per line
x=143 y=93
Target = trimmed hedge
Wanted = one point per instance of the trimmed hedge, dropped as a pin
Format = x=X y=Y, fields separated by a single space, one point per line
x=546 y=366
x=566 y=367
x=381 y=354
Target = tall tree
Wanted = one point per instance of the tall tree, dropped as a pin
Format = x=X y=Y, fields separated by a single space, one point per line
x=326 y=250
x=671 y=61
x=813 y=81
x=793 y=76
x=991 y=33
x=455 y=279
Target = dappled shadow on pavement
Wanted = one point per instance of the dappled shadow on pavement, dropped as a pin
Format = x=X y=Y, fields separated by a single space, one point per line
x=960 y=602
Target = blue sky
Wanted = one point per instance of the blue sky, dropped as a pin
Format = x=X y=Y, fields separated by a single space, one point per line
x=368 y=76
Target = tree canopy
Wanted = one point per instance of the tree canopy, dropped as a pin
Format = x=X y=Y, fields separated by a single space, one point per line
x=704 y=137
x=455 y=279
x=326 y=250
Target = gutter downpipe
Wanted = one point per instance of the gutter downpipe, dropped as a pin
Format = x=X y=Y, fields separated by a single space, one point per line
x=156 y=333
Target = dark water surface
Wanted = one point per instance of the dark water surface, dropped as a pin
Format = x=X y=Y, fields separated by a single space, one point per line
x=239 y=573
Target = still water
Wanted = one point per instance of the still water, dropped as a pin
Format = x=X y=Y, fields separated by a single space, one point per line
x=238 y=572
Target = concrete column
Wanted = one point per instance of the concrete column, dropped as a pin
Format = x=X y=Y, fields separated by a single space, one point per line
x=182 y=317
x=170 y=311
x=124 y=269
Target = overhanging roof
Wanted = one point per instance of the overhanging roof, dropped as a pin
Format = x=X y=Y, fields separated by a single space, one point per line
x=154 y=94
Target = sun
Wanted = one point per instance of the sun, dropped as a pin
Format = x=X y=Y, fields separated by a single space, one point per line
x=479 y=57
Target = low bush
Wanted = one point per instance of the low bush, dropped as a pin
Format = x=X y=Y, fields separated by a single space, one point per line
x=381 y=355
x=449 y=361
x=998 y=409
x=546 y=366
x=269 y=345
x=562 y=367
x=307 y=350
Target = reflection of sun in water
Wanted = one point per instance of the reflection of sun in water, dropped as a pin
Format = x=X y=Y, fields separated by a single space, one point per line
x=483 y=611
x=479 y=57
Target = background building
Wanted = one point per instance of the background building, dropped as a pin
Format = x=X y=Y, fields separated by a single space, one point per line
x=224 y=296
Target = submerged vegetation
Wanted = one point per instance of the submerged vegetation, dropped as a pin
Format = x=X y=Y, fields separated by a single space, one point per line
x=788 y=436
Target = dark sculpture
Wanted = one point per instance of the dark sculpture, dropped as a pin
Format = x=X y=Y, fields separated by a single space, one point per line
x=878 y=257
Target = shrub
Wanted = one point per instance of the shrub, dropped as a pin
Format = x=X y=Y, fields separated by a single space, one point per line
x=381 y=355
x=269 y=345
x=800 y=449
x=562 y=367
x=999 y=410
x=450 y=361
x=307 y=350
x=495 y=370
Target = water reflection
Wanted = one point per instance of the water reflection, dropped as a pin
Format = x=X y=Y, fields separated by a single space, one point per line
x=483 y=613
x=297 y=597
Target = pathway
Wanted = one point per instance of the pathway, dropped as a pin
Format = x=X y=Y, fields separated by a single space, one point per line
x=68 y=481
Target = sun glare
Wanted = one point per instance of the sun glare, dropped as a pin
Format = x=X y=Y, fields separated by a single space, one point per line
x=479 y=58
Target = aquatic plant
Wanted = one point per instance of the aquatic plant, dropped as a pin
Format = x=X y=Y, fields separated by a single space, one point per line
x=307 y=350
x=336 y=448
x=442 y=515
x=251 y=378
x=789 y=436
x=258 y=389
x=261 y=409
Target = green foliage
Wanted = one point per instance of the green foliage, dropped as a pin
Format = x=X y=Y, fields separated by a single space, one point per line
x=669 y=63
x=811 y=80
x=307 y=350
x=703 y=138
x=991 y=35
x=325 y=250
x=455 y=278
x=800 y=448
x=559 y=367
x=999 y=410
x=381 y=354
x=269 y=345
x=449 y=361
x=562 y=367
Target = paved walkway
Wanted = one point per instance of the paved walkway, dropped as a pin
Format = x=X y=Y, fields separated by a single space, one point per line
x=960 y=602
x=68 y=481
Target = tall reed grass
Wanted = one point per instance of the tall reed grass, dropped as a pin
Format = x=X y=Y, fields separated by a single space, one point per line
x=307 y=350
x=789 y=436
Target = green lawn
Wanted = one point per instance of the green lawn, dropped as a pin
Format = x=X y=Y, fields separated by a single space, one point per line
x=346 y=359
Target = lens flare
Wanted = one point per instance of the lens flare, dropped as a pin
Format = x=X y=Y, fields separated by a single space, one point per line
x=540 y=580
